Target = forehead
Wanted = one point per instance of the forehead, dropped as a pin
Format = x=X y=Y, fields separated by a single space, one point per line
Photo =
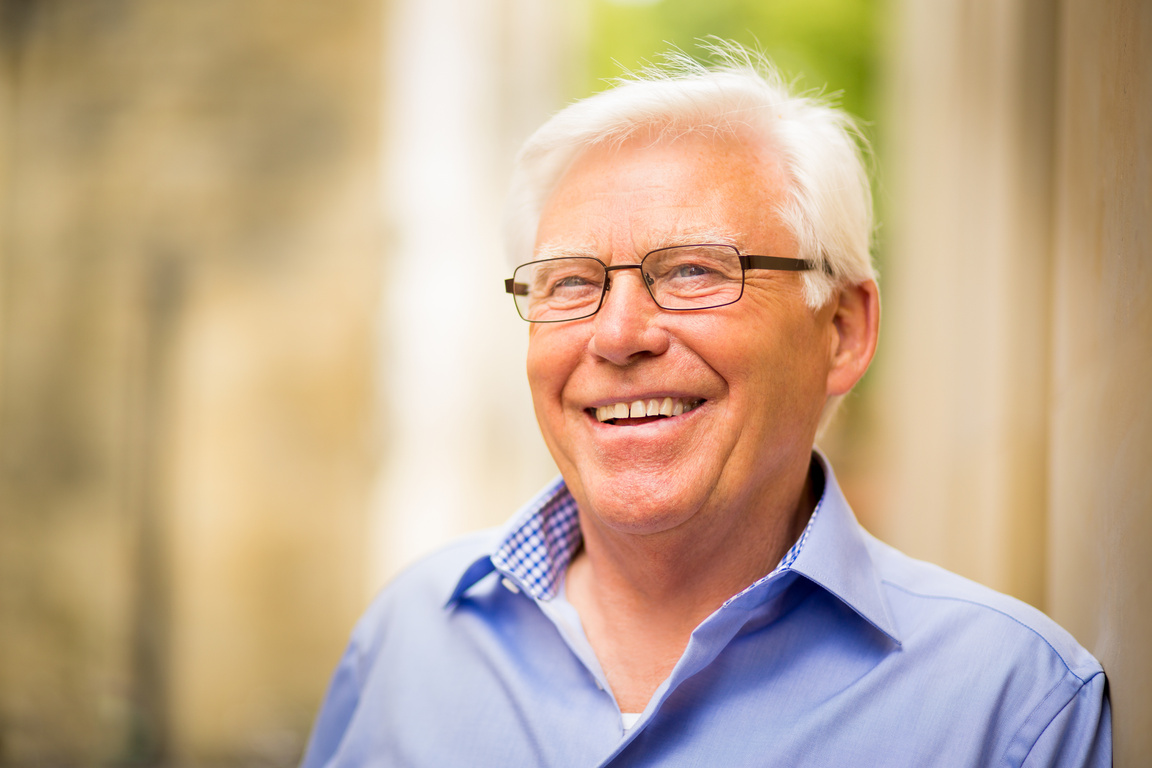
x=645 y=194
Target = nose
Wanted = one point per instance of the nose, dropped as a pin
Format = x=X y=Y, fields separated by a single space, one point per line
x=628 y=323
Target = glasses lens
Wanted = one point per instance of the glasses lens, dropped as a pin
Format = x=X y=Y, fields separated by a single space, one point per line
x=558 y=289
x=694 y=276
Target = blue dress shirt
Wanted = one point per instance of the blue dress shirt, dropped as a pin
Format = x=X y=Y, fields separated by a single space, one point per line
x=848 y=654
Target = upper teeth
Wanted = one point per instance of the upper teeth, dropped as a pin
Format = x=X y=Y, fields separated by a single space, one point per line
x=669 y=406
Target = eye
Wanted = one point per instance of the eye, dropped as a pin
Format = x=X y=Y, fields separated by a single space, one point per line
x=690 y=270
x=567 y=281
x=572 y=281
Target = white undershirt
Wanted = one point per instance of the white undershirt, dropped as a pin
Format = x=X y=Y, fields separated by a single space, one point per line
x=629 y=719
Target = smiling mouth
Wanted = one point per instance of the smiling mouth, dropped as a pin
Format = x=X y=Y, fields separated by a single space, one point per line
x=643 y=411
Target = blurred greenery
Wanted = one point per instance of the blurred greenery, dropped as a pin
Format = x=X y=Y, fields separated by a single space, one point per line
x=822 y=45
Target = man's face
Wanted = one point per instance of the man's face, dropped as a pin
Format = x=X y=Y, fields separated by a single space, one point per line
x=753 y=375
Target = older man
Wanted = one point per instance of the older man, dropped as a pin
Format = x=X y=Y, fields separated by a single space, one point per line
x=695 y=589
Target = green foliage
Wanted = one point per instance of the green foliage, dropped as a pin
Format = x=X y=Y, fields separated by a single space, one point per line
x=823 y=45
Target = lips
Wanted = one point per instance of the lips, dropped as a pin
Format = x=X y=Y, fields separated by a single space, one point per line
x=649 y=409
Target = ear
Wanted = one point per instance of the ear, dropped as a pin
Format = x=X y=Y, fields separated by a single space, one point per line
x=856 y=322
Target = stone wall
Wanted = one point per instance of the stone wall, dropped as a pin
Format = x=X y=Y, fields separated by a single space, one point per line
x=189 y=278
x=1099 y=580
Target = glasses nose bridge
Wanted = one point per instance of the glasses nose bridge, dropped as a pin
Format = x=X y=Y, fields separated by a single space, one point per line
x=609 y=270
x=615 y=267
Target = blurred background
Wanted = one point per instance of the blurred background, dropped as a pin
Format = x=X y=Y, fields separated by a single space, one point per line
x=254 y=355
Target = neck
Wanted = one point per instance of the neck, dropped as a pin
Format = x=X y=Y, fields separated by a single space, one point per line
x=691 y=570
x=640 y=596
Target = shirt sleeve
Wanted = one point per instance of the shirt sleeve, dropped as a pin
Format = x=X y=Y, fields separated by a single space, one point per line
x=336 y=713
x=1080 y=734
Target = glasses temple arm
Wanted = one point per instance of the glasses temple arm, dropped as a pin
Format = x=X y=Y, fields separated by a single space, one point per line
x=782 y=263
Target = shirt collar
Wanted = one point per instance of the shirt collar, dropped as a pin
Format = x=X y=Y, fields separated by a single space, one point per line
x=541 y=541
x=536 y=546
x=836 y=558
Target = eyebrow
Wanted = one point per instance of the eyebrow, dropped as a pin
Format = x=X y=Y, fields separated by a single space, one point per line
x=671 y=238
x=558 y=251
x=656 y=241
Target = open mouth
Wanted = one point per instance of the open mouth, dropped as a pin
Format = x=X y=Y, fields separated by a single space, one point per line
x=644 y=411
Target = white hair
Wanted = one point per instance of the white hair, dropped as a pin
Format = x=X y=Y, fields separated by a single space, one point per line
x=828 y=206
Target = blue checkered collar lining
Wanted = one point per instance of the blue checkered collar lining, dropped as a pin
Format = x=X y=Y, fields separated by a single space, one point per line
x=543 y=538
x=541 y=541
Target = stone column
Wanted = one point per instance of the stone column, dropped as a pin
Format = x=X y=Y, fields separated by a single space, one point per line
x=468 y=80
x=963 y=365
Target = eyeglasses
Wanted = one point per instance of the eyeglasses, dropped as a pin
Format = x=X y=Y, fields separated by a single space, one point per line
x=680 y=278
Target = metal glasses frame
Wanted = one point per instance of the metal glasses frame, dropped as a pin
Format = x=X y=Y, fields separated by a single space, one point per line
x=747 y=262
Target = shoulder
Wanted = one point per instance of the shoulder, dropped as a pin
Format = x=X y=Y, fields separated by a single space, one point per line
x=995 y=663
x=396 y=650
x=932 y=604
x=418 y=594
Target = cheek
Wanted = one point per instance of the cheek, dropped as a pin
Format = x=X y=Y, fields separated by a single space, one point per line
x=551 y=358
x=782 y=370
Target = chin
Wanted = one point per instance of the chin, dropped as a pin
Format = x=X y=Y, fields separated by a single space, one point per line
x=640 y=505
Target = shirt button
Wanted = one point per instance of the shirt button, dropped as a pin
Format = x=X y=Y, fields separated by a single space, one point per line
x=509 y=585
